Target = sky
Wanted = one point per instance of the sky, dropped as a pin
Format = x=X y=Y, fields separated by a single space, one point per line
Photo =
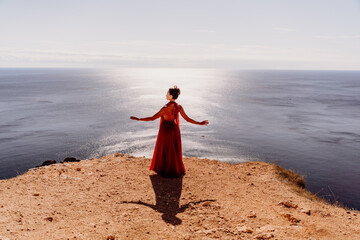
x=236 y=34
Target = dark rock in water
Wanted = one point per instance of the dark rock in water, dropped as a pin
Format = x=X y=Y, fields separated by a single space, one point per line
x=47 y=162
x=71 y=159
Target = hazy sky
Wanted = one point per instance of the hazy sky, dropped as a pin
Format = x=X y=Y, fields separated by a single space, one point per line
x=238 y=34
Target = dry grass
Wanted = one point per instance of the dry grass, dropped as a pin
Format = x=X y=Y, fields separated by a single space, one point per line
x=300 y=183
x=290 y=176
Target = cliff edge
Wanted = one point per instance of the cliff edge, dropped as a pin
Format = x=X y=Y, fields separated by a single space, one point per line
x=115 y=197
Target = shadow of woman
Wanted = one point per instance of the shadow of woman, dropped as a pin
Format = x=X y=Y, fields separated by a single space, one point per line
x=167 y=192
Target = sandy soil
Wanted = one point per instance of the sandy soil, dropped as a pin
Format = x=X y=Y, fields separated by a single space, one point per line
x=115 y=197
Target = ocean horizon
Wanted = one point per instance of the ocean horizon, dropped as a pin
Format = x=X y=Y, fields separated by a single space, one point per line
x=304 y=120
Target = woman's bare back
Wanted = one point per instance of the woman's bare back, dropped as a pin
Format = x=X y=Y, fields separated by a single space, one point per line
x=169 y=113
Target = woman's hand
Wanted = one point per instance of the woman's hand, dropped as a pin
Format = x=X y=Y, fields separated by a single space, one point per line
x=134 y=118
x=206 y=122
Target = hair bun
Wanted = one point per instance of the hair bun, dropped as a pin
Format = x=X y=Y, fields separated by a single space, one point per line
x=178 y=89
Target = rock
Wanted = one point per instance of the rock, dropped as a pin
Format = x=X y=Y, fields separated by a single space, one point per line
x=118 y=154
x=308 y=212
x=288 y=204
x=252 y=215
x=267 y=228
x=264 y=236
x=46 y=163
x=209 y=231
x=71 y=159
x=50 y=219
x=244 y=229
x=291 y=218
x=192 y=206
x=325 y=214
x=207 y=204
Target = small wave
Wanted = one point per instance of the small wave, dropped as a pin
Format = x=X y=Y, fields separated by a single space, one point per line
x=44 y=101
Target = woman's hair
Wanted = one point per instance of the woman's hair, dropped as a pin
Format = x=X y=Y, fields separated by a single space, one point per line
x=174 y=92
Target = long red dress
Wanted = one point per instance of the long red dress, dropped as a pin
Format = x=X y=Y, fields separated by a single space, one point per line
x=167 y=158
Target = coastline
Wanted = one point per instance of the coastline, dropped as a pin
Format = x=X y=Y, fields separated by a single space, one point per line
x=114 y=197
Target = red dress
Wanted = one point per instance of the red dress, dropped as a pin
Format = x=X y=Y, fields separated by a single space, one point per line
x=167 y=158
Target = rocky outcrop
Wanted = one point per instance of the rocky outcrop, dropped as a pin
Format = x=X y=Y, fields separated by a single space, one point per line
x=70 y=159
x=47 y=162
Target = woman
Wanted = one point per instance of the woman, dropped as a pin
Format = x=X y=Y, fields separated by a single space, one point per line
x=167 y=158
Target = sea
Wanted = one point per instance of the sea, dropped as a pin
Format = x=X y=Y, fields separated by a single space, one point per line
x=306 y=121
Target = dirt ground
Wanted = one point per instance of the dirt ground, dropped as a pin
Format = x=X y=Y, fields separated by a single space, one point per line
x=115 y=197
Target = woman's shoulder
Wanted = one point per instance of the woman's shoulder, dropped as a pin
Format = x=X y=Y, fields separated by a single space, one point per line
x=178 y=105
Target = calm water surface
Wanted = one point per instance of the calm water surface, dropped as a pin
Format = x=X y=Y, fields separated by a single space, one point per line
x=308 y=121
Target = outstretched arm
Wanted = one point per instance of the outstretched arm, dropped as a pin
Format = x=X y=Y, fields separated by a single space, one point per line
x=183 y=114
x=157 y=115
